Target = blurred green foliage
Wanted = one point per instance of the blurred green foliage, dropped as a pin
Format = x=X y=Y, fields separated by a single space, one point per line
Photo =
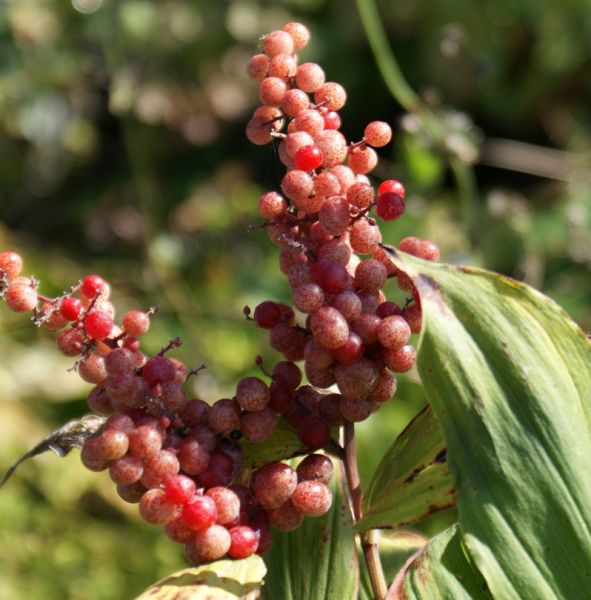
x=122 y=152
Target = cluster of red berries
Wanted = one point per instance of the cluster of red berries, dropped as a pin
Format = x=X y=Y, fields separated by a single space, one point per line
x=353 y=336
x=179 y=457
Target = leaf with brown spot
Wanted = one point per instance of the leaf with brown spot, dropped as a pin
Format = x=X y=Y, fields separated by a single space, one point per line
x=508 y=375
x=412 y=480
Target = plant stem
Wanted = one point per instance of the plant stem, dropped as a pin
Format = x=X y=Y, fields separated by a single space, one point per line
x=412 y=103
x=376 y=36
x=467 y=191
x=368 y=539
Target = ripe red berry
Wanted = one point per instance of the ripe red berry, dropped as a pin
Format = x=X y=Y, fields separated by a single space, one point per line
x=314 y=431
x=332 y=120
x=267 y=314
x=351 y=351
x=391 y=185
x=70 y=308
x=219 y=472
x=179 y=489
x=200 y=513
x=158 y=370
x=98 y=325
x=390 y=206
x=244 y=542
x=273 y=484
x=93 y=285
x=308 y=158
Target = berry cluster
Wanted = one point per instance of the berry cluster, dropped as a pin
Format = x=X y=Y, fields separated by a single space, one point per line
x=179 y=457
x=353 y=336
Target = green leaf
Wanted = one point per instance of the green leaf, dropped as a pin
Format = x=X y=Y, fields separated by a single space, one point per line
x=508 y=375
x=282 y=444
x=441 y=570
x=412 y=480
x=318 y=561
x=220 y=580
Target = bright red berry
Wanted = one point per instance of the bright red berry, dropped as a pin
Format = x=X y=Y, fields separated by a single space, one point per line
x=391 y=185
x=98 y=325
x=390 y=206
x=179 y=489
x=332 y=120
x=308 y=158
x=244 y=542
x=93 y=285
x=200 y=513
x=70 y=308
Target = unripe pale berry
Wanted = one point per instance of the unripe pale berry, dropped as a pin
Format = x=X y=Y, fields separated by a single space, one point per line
x=309 y=77
x=11 y=263
x=278 y=42
x=252 y=394
x=312 y=498
x=377 y=134
x=21 y=297
x=331 y=95
x=300 y=34
x=257 y=67
x=329 y=327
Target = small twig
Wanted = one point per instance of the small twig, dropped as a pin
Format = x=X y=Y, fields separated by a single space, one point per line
x=196 y=370
x=368 y=539
x=175 y=343
x=258 y=361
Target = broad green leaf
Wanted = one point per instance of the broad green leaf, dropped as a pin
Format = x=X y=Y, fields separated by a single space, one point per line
x=508 y=375
x=220 y=580
x=282 y=444
x=441 y=570
x=412 y=480
x=318 y=561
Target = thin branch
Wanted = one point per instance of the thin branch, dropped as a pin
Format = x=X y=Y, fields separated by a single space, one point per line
x=369 y=544
x=387 y=64
x=530 y=158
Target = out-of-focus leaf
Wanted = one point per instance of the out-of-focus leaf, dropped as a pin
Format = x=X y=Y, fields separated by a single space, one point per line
x=441 y=570
x=508 y=375
x=318 y=561
x=412 y=481
x=282 y=444
x=424 y=166
x=220 y=580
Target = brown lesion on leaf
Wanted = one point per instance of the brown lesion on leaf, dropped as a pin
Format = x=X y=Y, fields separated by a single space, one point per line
x=441 y=456
x=414 y=474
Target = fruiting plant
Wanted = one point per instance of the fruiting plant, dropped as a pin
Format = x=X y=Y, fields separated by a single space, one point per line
x=219 y=475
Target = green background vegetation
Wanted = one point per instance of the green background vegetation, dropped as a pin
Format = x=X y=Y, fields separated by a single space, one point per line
x=122 y=152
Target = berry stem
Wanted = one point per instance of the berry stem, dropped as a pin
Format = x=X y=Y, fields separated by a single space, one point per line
x=369 y=538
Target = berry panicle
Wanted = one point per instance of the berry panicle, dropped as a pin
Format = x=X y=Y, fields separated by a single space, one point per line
x=180 y=458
